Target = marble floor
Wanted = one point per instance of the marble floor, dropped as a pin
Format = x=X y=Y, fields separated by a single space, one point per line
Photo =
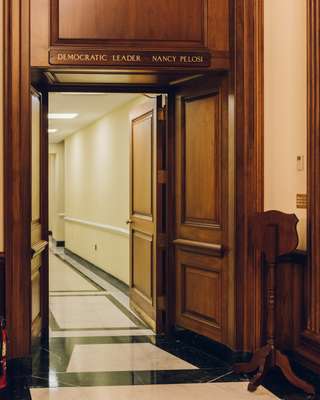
x=99 y=349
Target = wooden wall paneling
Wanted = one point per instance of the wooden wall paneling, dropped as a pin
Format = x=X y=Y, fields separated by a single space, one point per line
x=169 y=25
x=44 y=215
x=39 y=14
x=119 y=21
x=17 y=144
x=290 y=300
x=2 y=285
x=309 y=347
x=248 y=95
x=202 y=184
x=143 y=211
x=171 y=215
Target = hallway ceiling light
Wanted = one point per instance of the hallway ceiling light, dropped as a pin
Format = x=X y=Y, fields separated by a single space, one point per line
x=52 y=130
x=62 y=115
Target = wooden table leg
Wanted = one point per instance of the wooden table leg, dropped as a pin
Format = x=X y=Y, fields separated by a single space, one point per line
x=257 y=360
x=282 y=362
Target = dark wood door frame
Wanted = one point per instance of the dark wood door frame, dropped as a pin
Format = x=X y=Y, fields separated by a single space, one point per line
x=248 y=93
x=308 y=349
x=248 y=96
x=17 y=176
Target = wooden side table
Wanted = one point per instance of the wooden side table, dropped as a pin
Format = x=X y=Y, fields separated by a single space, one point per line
x=273 y=233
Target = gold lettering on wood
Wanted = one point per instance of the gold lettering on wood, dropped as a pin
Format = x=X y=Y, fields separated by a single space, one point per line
x=105 y=57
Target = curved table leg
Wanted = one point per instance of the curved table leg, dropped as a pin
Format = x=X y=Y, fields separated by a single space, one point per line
x=283 y=363
x=258 y=359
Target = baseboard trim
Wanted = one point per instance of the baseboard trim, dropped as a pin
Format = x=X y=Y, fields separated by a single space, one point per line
x=58 y=243
x=123 y=287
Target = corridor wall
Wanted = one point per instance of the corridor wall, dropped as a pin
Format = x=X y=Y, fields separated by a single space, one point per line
x=97 y=192
x=57 y=191
x=286 y=107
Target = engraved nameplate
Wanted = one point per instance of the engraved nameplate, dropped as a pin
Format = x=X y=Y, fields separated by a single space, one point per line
x=122 y=58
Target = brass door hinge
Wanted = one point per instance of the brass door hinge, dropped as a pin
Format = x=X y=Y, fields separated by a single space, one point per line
x=162 y=176
x=162 y=240
x=162 y=114
x=161 y=303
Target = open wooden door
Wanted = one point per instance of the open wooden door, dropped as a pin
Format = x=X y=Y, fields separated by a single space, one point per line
x=204 y=229
x=148 y=225
x=39 y=222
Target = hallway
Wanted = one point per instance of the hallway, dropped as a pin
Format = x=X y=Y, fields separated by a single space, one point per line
x=99 y=349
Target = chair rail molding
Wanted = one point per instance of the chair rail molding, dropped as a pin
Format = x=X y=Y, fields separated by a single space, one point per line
x=104 y=227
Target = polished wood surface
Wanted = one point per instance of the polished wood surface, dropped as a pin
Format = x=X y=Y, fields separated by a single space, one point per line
x=2 y=285
x=17 y=162
x=275 y=234
x=163 y=20
x=170 y=25
x=199 y=297
x=39 y=216
x=147 y=224
x=204 y=293
x=248 y=123
x=201 y=160
x=309 y=346
x=142 y=165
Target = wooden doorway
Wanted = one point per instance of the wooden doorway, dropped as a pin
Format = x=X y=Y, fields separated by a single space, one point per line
x=204 y=209
x=246 y=96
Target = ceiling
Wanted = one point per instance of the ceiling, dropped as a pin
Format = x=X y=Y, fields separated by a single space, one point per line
x=89 y=106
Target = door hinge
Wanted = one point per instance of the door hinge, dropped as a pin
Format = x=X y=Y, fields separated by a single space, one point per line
x=162 y=114
x=162 y=176
x=162 y=240
x=161 y=303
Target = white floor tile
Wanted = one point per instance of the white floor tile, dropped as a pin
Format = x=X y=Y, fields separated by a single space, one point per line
x=63 y=277
x=87 y=312
x=103 y=333
x=123 y=357
x=219 y=391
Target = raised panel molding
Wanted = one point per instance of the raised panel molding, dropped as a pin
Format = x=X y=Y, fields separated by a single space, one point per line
x=142 y=253
x=118 y=22
x=309 y=346
x=142 y=166
x=202 y=294
x=201 y=161
x=200 y=301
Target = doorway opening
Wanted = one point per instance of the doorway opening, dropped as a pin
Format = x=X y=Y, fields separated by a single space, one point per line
x=140 y=215
x=106 y=210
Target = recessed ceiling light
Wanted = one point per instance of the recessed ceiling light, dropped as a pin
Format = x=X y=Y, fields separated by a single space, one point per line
x=52 y=130
x=62 y=115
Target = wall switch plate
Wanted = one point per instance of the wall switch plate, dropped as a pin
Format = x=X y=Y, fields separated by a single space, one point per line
x=300 y=163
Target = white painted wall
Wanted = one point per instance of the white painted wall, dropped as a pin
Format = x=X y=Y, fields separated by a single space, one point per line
x=56 y=191
x=97 y=191
x=285 y=106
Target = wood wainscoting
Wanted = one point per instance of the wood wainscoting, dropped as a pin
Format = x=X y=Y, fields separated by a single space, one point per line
x=2 y=285
x=204 y=265
x=117 y=24
x=309 y=347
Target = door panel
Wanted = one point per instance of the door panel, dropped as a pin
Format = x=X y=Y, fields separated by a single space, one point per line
x=200 y=160
x=142 y=165
x=143 y=258
x=204 y=288
x=146 y=211
x=121 y=20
